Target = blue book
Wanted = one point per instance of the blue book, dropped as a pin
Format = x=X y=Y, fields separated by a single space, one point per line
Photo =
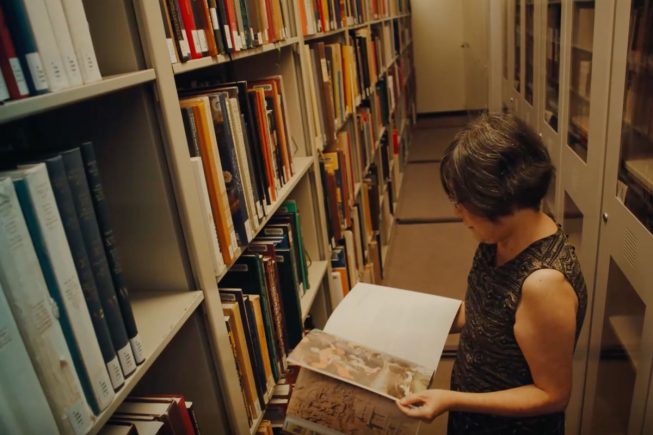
x=76 y=175
x=66 y=205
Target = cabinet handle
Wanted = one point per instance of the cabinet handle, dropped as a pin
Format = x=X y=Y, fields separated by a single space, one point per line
x=605 y=217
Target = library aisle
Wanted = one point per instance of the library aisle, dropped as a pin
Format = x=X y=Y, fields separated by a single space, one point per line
x=431 y=250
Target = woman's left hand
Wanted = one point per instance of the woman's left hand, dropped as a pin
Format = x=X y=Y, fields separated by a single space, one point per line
x=426 y=405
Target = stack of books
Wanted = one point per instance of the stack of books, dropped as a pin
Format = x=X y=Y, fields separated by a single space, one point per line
x=71 y=334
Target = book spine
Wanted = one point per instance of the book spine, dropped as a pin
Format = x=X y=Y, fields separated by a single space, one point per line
x=209 y=31
x=28 y=297
x=4 y=91
x=215 y=23
x=241 y=376
x=47 y=44
x=255 y=353
x=78 y=182
x=230 y=169
x=243 y=165
x=23 y=405
x=102 y=215
x=255 y=303
x=180 y=39
x=66 y=207
x=216 y=255
x=80 y=34
x=225 y=26
x=191 y=31
x=171 y=35
x=10 y=64
x=254 y=151
x=276 y=308
x=44 y=222
x=232 y=26
x=64 y=41
x=25 y=44
x=196 y=9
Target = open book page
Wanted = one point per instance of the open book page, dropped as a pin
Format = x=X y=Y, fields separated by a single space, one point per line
x=324 y=405
x=384 y=374
x=403 y=323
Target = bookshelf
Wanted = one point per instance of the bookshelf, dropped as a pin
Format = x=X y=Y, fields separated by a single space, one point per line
x=594 y=116
x=134 y=119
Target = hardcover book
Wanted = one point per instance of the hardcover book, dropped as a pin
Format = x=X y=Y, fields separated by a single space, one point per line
x=380 y=344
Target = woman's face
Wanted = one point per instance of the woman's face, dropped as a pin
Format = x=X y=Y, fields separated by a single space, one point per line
x=483 y=229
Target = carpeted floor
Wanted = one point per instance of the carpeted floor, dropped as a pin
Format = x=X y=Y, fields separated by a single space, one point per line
x=432 y=257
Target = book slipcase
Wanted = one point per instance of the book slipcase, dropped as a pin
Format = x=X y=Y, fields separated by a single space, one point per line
x=341 y=173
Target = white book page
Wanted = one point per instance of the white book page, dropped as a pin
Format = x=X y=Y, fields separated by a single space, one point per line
x=403 y=323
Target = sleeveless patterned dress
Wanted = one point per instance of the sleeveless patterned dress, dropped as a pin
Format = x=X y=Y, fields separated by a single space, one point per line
x=489 y=358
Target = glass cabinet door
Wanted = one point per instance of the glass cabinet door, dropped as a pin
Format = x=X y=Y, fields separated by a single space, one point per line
x=530 y=49
x=635 y=185
x=552 y=63
x=517 y=35
x=581 y=75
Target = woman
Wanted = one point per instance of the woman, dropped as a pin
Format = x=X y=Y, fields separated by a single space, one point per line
x=526 y=295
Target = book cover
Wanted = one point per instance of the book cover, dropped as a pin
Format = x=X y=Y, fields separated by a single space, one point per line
x=25 y=408
x=379 y=344
x=66 y=207
x=88 y=223
x=48 y=236
x=26 y=291
x=111 y=250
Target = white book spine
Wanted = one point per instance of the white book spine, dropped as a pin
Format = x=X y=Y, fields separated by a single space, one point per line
x=335 y=289
x=57 y=249
x=241 y=156
x=47 y=44
x=64 y=41
x=81 y=37
x=24 y=285
x=4 y=91
x=207 y=215
x=23 y=406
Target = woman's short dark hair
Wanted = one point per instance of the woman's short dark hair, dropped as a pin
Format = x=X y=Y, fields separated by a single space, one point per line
x=496 y=165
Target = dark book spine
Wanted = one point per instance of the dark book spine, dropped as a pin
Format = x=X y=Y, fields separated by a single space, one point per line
x=271 y=277
x=290 y=299
x=247 y=28
x=190 y=128
x=66 y=205
x=257 y=148
x=227 y=149
x=104 y=224
x=257 y=357
x=183 y=51
x=25 y=45
x=327 y=205
x=217 y=28
x=78 y=182
x=253 y=174
x=224 y=26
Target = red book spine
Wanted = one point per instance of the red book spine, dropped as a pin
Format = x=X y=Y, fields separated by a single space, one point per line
x=233 y=26
x=191 y=29
x=272 y=31
x=9 y=63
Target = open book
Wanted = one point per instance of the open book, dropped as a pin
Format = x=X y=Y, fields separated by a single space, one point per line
x=379 y=344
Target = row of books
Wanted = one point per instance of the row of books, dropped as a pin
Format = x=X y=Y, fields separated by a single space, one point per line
x=343 y=75
x=201 y=28
x=161 y=414
x=261 y=299
x=241 y=154
x=45 y=46
x=63 y=360
x=318 y=16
